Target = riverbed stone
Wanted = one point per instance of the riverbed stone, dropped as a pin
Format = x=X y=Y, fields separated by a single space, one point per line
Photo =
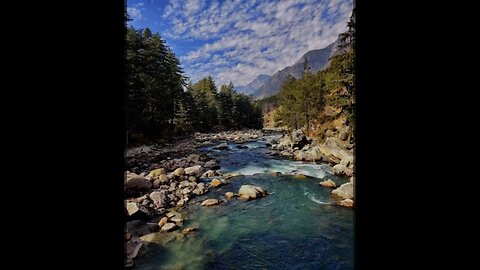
x=211 y=164
x=342 y=170
x=193 y=158
x=229 y=195
x=216 y=183
x=328 y=183
x=221 y=146
x=194 y=170
x=345 y=191
x=163 y=221
x=347 y=203
x=248 y=192
x=157 y=172
x=169 y=227
x=209 y=202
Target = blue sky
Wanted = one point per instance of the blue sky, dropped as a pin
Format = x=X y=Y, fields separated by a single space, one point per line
x=236 y=40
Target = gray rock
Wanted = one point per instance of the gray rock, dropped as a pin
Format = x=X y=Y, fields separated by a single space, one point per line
x=137 y=184
x=184 y=184
x=211 y=164
x=169 y=227
x=179 y=172
x=329 y=183
x=195 y=170
x=193 y=158
x=341 y=170
x=192 y=179
x=209 y=202
x=345 y=191
x=221 y=146
x=248 y=192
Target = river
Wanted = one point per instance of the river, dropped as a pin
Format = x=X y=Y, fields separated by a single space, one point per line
x=295 y=227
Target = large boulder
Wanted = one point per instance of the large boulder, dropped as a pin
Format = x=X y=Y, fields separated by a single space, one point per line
x=313 y=154
x=329 y=183
x=137 y=184
x=139 y=211
x=132 y=247
x=345 y=191
x=300 y=155
x=248 y=192
x=342 y=170
x=159 y=198
x=195 y=170
x=209 y=202
x=334 y=150
x=284 y=143
x=298 y=139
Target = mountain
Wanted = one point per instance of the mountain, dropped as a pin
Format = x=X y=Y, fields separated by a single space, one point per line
x=317 y=60
x=254 y=85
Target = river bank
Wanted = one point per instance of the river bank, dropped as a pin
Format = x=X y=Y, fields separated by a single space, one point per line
x=170 y=187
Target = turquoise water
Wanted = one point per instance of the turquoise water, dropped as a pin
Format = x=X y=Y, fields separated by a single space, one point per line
x=295 y=227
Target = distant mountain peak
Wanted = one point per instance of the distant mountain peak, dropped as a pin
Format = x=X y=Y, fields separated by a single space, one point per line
x=317 y=60
x=254 y=85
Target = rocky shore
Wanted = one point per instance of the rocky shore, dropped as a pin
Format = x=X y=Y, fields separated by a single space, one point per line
x=163 y=180
x=335 y=150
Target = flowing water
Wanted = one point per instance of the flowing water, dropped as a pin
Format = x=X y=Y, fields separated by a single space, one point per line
x=295 y=227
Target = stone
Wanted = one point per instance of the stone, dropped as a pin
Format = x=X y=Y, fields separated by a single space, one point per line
x=329 y=183
x=248 y=192
x=179 y=172
x=209 y=202
x=195 y=170
x=189 y=229
x=132 y=247
x=192 y=179
x=300 y=176
x=169 y=227
x=132 y=208
x=186 y=191
x=229 y=195
x=347 y=203
x=346 y=161
x=345 y=191
x=163 y=221
x=209 y=173
x=334 y=150
x=178 y=221
x=162 y=178
x=137 y=184
x=158 y=196
x=221 y=146
x=211 y=164
x=157 y=172
x=342 y=170
x=170 y=214
x=216 y=183
x=193 y=158
x=230 y=175
x=181 y=203
x=184 y=184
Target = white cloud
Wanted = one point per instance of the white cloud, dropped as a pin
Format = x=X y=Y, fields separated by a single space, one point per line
x=252 y=37
x=134 y=13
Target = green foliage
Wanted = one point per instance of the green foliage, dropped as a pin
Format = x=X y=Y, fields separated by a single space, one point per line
x=159 y=101
x=268 y=104
x=154 y=82
x=302 y=101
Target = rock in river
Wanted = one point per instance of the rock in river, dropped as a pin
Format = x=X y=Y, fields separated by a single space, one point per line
x=209 y=202
x=329 y=183
x=221 y=146
x=345 y=191
x=229 y=195
x=195 y=170
x=248 y=192
x=169 y=227
x=216 y=183
x=347 y=203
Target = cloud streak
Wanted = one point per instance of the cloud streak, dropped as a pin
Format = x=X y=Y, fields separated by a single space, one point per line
x=247 y=38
